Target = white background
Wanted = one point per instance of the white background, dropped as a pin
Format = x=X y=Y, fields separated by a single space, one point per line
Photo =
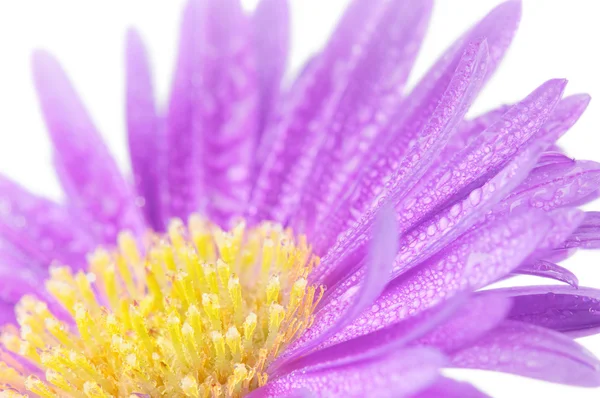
x=557 y=38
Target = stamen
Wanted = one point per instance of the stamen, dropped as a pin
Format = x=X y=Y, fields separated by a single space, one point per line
x=198 y=312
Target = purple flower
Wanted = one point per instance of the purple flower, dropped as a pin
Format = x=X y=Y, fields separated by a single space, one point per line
x=338 y=233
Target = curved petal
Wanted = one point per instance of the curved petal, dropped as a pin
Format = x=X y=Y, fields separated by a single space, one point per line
x=553 y=186
x=509 y=140
x=553 y=157
x=89 y=175
x=587 y=236
x=42 y=230
x=381 y=253
x=470 y=323
x=445 y=227
x=399 y=374
x=143 y=130
x=477 y=259
x=532 y=351
x=382 y=341
x=562 y=308
x=447 y=327
x=547 y=269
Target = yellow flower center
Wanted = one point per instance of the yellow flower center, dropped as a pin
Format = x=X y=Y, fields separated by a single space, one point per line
x=201 y=312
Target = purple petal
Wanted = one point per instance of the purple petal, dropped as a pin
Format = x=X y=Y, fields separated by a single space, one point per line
x=271 y=25
x=19 y=274
x=357 y=62
x=532 y=351
x=587 y=235
x=553 y=157
x=381 y=254
x=562 y=308
x=466 y=131
x=448 y=388
x=440 y=230
x=7 y=313
x=382 y=341
x=497 y=28
x=490 y=150
x=477 y=259
x=89 y=175
x=546 y=269
x=553 y=186
x=591 y=220
x=445 y=226
x=487 y=153
x=44 y=231
x=183 y=139
x=399 y=374
x=390 y=179
x=564 y=222
x=211 y=122
x=373 y=97
x=470 y=323
x=143 y=130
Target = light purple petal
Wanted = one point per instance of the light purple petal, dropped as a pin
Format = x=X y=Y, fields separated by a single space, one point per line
x=562 y=308
x=43 y=230
x=19 y=274
x=211 y=122
x=448 y=388
x=564 y=222
x=382 y=250
x=372 y=99
x=471 y=322
x=399 y=374
x=477 y=259
x=358 y=59
x=484 y=155
x=555 y=185
x=396 y=172
x=7 y=313
x=384 y=340
x=446 y=226
x=547 y=269
x=553 y=157
x=183 y=122
x=90 y=177
x=442 y=228
x=466 y=131
x=532 y=351
x=271 y=25
x=143 y=130
x=497 y=29
x=587 y=235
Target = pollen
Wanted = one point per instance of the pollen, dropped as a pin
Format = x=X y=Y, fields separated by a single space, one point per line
x=196 y=312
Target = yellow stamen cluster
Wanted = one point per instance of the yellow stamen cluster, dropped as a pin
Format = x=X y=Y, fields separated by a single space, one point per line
x=201 y=312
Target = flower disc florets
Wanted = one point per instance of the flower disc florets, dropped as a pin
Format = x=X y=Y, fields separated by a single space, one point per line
x=197 y=312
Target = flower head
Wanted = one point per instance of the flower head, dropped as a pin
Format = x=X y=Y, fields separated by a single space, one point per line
x=329 y=238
